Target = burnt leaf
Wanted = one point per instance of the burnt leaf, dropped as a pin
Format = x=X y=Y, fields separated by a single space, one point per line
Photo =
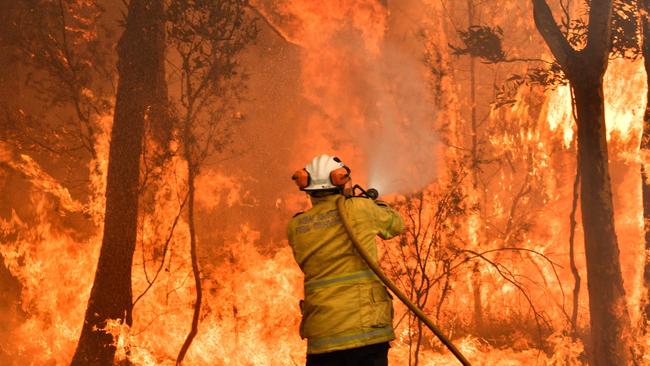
x=481 y=41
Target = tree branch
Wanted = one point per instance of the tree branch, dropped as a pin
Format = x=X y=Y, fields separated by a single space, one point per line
x=164 y=253
x=559 y=46
x=272 y=26
x=525 y=59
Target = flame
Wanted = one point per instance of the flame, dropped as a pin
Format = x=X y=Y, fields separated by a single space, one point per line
x=47 y=334
x=560 y=113
x=362 y=93
x=625 y=87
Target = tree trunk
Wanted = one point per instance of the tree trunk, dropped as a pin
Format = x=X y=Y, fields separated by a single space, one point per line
x=140 y=54
x=645 y=148
x=611 y=341
x=476 y=271
x=191 y=178
x=610 y=322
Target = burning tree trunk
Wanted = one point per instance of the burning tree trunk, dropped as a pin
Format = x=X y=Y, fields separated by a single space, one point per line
x=610 y=322
x=645 y=147
x=140 y=53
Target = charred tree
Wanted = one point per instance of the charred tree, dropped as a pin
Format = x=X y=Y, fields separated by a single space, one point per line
x=140 y=55
x=644 y=6
x=611 y=342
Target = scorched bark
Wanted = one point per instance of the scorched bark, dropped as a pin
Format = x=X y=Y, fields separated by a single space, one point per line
x=611 y=342
x=140 y=54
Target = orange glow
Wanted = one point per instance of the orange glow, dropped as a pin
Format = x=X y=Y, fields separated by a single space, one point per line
x=357 y=87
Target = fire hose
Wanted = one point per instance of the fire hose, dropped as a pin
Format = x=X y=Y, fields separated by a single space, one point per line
x=391 y=285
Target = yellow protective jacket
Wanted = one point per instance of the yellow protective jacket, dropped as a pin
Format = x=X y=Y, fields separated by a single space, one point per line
x=345 y=305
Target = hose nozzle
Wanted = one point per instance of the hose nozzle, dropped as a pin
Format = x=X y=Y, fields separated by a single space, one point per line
x=370 y=193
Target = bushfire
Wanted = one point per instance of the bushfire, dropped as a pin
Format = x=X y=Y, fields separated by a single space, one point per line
x=147 y=147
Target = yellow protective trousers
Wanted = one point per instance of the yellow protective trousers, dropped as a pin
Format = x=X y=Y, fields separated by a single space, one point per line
x=345 y=305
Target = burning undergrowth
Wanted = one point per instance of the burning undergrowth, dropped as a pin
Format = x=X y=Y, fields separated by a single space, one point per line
x=486 y=249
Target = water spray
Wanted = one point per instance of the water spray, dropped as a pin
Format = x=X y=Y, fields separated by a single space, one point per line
x=373 y=194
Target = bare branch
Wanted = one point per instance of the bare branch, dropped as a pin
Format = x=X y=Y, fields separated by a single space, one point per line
x=566 y=18
x=164 y=253
x=525 y=59
x=272 y=26
x=510 y=277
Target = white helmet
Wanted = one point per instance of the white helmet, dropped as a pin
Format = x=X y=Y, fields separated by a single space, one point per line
x=324 y=172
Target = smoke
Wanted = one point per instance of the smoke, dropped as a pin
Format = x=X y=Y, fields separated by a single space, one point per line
x=400 y=148
x=362 y=70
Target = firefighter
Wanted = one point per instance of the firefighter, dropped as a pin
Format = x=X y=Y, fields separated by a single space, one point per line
x=347 y=312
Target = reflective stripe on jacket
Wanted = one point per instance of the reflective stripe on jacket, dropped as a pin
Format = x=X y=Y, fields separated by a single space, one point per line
x=345 y=306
